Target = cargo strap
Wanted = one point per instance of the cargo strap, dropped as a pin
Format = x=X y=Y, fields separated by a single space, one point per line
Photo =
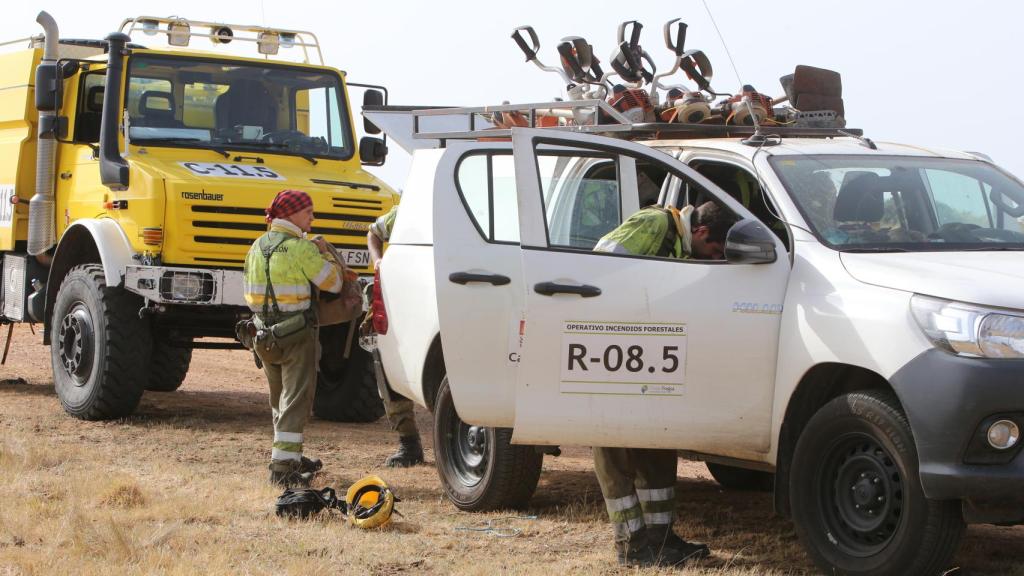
x=668 y=243
x=269 y=294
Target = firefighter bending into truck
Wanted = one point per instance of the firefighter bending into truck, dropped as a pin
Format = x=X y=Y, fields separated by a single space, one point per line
x=399 y=409
x=638 y=485
x=280 y=268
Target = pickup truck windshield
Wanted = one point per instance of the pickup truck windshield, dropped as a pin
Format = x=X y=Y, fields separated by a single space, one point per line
x=902 y=203
x=207 y=103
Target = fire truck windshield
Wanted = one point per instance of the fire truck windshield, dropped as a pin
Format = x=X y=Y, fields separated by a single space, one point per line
x=209 y=103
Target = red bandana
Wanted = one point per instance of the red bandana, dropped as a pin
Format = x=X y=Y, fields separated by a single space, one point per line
x=288 y=202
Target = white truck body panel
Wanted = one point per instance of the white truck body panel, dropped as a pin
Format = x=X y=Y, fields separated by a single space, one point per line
x=845 y=308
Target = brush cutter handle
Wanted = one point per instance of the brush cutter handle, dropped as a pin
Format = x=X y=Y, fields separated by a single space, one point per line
x=634 y=33
x=697 y=67
x=596 y=74
x=529 y=49
x=678 y=46
x=573 y=62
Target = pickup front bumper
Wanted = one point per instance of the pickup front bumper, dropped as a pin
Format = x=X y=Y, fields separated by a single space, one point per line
x=950 y=402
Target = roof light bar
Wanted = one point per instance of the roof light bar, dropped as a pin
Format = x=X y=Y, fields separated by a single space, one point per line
x=268 y=41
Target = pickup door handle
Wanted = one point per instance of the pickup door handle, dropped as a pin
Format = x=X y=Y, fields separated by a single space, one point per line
x=551 y=288
x=467 y=277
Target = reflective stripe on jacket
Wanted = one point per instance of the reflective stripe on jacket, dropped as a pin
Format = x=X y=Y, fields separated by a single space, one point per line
x=645 y=234
x=294 y=264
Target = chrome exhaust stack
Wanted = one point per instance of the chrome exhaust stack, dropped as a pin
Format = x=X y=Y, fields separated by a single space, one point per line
x=41 y=219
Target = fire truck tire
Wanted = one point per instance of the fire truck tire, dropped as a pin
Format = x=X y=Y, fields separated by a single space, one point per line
x=346 y=389
x=735 y=478
x=479 y=467
x=100 y=348
x=168 y=367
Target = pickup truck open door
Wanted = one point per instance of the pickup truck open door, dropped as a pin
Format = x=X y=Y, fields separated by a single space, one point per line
x=620 y=350
x=478 y=278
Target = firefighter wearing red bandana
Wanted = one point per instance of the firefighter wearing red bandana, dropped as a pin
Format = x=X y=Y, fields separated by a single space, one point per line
x=281 y=268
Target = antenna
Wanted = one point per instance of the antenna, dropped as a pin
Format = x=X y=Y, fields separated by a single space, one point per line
x=758 y=138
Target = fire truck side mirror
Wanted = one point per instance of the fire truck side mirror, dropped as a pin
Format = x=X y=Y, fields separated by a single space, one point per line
x=371 y=98
x=47 y=94
x=372 y=151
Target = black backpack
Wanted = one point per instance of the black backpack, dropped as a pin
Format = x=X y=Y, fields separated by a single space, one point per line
x=305 y=502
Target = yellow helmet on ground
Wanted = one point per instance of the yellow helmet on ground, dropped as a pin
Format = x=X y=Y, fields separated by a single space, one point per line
x=370 y=502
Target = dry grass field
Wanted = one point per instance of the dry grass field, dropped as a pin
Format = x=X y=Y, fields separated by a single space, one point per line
x=180 y=488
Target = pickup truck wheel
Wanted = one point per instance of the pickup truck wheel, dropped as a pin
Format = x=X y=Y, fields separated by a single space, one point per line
x=168 y=367
x=100 y=349
x=480 y=468
x=856 y=494
x=346 y=389
x=735 y=478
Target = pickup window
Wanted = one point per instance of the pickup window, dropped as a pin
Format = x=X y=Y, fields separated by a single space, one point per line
x=487 y=185
x=581 y=196
x=745 y=189
x=906 y=203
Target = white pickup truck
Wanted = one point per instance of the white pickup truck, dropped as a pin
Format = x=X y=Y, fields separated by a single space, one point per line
x=862 y=343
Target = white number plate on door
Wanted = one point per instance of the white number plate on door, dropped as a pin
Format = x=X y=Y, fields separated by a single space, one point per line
x=623 y=358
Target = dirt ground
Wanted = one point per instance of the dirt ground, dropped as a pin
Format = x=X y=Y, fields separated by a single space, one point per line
x=180 y=488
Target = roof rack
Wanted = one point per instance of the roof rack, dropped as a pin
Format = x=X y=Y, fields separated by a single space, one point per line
x=268 y=40
x=415 y=127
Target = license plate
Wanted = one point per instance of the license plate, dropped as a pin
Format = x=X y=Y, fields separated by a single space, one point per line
x=356 y=258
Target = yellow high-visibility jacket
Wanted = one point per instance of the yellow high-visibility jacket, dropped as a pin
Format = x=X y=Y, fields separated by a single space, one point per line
x=294 y=264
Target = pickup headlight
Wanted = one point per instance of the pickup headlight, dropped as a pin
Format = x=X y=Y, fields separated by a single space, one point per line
x=969 y=330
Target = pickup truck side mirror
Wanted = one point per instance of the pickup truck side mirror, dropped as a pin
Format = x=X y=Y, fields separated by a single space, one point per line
x=749 y=242
x=372 y=151
x=372 y=98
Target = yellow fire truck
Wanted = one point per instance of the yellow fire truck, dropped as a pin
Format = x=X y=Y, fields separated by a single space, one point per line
x=133 y=180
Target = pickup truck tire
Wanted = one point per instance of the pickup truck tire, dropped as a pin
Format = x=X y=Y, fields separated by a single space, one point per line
x=168 y=367
x=100 y=348
x=856 y=494
x=735 y=478
x=480 y=469
x=346 y=389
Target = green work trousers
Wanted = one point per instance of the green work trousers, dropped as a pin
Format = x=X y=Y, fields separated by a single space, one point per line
x=400 y=415
x=638 y=486
x=291 y=373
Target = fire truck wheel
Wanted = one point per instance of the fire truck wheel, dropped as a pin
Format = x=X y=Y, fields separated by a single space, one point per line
x=856 y=494
x=735 y=478
x=480 y=469
x=346 y=389
x=99 y=347
x=168 y=367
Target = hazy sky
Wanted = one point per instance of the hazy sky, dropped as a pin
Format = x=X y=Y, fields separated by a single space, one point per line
x=930 y=73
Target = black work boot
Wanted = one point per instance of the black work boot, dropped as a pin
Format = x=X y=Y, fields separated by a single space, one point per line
x=311 y=465
x=636 y=552
x=288 y=473
x=410 y=453
x=665 y=542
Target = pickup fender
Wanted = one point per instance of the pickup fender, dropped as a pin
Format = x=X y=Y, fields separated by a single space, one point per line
x=92 y=240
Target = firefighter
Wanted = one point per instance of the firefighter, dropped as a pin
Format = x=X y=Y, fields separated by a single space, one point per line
x=279 y=269
x=638 y=485
x=398 y=408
